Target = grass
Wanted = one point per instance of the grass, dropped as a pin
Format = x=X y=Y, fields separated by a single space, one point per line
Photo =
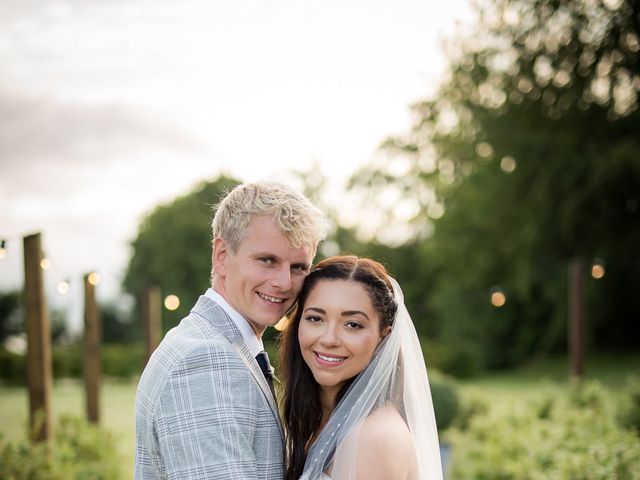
x=117 y=405
x=117 y=413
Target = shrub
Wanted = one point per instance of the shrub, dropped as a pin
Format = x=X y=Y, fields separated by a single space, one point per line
x=12 y=368
x=445 y=400
x=79 y=451
x=630 y=412
x=120 y=361
x=573 y=437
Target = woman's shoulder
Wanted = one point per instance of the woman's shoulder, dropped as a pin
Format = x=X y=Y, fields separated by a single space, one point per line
x=385 y=445
x=383 y=423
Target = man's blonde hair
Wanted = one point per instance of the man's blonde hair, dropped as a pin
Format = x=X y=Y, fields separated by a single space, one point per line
x=299 y=220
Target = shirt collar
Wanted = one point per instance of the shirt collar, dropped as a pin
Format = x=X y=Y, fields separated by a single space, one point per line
x=248 y=335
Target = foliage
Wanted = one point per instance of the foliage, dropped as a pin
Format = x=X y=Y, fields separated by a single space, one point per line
x=173 y=248
x=79 y=451
x=12 y=319
x=444 y=393
x=118 y=326
x=524 y=159
x=10 y=314
x=548 y=438
x=630 y=412
x=123 y=361
x=12 y=368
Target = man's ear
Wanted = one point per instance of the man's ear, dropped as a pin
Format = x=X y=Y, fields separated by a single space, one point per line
x=219 y=256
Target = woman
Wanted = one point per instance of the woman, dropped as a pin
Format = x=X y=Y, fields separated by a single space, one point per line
x=357 y=403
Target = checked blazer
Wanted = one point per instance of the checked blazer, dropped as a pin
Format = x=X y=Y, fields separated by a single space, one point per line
x=203 y=407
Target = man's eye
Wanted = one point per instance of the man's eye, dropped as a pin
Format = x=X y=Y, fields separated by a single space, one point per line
x=267 y=260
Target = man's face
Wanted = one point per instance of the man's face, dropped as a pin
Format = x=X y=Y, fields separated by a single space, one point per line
x=262 y=279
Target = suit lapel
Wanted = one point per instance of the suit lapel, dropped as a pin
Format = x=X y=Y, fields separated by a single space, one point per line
x=215 y=314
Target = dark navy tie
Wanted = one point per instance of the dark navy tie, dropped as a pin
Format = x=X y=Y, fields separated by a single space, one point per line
x=263 y=360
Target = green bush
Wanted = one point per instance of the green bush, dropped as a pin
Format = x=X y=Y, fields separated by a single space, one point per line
x=119 y=361
x=445 y=400
x=122 y=361
x=79 y=451
x=570 y=437
x=12 y=368
x=457 y=359
x=630 y=412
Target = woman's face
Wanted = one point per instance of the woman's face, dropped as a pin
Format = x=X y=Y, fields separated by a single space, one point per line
x=338 y=332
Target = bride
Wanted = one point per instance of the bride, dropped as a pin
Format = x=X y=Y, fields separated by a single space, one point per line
x=357 y=403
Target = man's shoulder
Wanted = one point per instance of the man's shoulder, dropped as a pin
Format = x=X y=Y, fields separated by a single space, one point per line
x=192 y=345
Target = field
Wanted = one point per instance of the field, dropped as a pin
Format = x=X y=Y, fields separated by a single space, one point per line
x=117 y=414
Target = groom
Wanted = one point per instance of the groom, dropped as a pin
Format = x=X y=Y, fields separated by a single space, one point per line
x=204 y=405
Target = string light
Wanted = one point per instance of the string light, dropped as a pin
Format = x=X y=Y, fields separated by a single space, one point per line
x=45 y=263
x=63 y=287
x=498 y=298
x=94 y=278
x=171 y=302
x=597 y=269
x=3 y=249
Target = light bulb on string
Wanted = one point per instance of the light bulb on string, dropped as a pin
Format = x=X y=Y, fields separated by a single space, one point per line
x=94 y=278
x=63 y=287
x=597 y=269
x=45 y=263
x=498 y=298
x=3 y=249
x=171 y=302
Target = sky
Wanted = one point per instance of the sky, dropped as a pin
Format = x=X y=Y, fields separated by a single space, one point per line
x=110 y=107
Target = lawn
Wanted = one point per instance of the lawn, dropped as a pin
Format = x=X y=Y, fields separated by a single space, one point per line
x=118 y=398
x=117 y=414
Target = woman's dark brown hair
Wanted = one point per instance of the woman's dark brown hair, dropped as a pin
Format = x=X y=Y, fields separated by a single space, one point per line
x=302 y=411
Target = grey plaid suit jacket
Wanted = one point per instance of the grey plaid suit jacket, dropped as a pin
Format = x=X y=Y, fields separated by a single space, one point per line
x=203 y=407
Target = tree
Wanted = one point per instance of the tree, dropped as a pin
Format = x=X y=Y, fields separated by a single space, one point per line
x=173 y=248
x=526 y=158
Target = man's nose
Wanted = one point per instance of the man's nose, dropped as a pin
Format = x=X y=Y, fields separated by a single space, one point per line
x=282 y=278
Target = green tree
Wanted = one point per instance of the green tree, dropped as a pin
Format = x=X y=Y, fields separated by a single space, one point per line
x=173 y=248
x=526 y=158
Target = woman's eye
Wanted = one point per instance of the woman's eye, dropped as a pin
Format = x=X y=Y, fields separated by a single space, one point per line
x=353 y=325
x=312 y=318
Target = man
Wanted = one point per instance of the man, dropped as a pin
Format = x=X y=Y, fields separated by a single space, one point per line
x=204 y=405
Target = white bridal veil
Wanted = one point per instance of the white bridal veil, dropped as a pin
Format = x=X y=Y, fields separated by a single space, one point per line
x=396 y=376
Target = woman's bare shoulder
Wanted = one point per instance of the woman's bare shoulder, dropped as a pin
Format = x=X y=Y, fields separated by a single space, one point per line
x=385 y=447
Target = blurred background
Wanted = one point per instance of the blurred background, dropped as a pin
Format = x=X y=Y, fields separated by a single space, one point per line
x=479 y=149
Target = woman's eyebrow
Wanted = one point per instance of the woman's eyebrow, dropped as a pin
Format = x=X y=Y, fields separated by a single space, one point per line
x=315 y=309
x=349 y=313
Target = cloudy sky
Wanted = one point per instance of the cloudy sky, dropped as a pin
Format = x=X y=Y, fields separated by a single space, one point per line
x=108 y=107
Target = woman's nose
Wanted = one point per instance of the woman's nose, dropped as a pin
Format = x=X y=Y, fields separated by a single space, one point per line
x=330 y=336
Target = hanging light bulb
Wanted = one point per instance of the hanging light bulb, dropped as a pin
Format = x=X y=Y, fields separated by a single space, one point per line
x=498 y=298
x=3 y=249
x=171 y=302
x=45 y=263
x=94 y=278
x=597 y=269
x=63 y=287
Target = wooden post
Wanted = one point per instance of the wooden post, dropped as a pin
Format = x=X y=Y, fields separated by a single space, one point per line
x=576 y=317
x=38 y=341
x=92 y=339
x=151 y=317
